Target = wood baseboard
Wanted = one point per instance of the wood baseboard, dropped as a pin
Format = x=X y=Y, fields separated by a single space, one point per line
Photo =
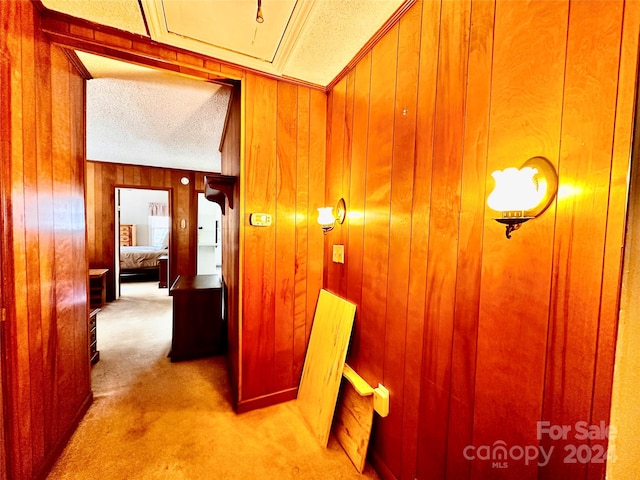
x=267 y=400
x=380 y=467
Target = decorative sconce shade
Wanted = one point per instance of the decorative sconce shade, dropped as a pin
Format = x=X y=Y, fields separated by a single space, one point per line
x=327 y=220
x=523 y=194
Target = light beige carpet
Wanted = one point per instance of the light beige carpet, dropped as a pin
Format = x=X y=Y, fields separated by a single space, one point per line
x=153 y=419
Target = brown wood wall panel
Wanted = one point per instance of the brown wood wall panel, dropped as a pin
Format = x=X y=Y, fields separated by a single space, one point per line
x=259 y=180
x=286 y=193
x=499 y=334
x=101 y=205
x=45 y=271
x=588 y=121
x=460 y=423
x=402 y=174
x=230 y=165
x=377 y=205
x=282 y=175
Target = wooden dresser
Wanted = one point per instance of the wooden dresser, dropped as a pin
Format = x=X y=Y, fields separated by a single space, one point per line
x=127 y=235
x=198 y=324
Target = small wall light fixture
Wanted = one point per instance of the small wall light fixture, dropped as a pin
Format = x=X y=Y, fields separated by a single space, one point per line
x=523 y=194
x=327 y=220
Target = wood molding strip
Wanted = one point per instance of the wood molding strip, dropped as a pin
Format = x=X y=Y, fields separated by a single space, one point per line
x=77 y=63
x=67 y=31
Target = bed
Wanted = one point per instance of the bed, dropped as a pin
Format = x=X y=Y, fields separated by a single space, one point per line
x=140 y=260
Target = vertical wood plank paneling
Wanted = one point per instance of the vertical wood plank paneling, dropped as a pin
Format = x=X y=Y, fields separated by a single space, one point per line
x=376 y=216
x=356 y=206
x=285 y=223
x=402 y=174
x=46 y=379
x=465 y=329
x=5 y=260
x=21 y=395
x=443 y=235
x=230 y=165
x=335 y=173
x=604 y=404
x=29 y=129
x=420 y=223
x=303 y=222
x=518 y=271
x=317 y=157
x=587 y=126
x=258 y=302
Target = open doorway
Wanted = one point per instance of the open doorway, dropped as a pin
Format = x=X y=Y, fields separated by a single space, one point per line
x=143 y=223
x=209 y=256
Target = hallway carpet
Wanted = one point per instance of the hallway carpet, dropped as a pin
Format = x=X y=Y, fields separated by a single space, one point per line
x=153 y=419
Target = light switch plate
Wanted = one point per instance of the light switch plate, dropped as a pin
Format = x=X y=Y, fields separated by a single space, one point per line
x=338 y=253
x=260 y=219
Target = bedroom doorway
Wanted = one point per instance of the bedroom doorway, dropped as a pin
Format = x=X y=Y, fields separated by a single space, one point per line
x=143 y=222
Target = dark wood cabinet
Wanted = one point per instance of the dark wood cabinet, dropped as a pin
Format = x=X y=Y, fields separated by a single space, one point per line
x=163 y=271
x=97 y=287
x=94 y=354
x=198 y=323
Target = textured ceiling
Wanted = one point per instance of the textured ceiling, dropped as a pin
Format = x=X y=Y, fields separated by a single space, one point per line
x=309 y=40
x=141 y=116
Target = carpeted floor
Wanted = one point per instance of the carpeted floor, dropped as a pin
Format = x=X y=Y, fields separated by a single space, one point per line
x=153 y=419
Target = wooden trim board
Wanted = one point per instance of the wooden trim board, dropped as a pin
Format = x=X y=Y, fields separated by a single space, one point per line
x=354 y=417
x=324 y=363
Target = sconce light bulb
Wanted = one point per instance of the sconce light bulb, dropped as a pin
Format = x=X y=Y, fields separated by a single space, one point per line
x=515 y=190
x=325 y=216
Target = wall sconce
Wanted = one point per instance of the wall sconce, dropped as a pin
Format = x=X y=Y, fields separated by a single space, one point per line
x=327 y=220
x=523 y=194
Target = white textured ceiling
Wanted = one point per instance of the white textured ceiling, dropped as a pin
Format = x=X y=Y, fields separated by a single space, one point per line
x=141 y=116
x=137 y=115
x=309 y=40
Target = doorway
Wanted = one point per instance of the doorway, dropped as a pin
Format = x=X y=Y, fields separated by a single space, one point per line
x=209 y=255
x=143 y=221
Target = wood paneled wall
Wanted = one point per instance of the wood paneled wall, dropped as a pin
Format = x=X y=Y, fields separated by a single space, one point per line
x=44 y=259
x=282 y=174
x=478 y=337
x=103 y=178
x=230 y=165
x=282 y=170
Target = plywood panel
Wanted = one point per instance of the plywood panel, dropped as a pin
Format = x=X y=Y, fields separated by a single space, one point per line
x=324 y=363
x=354 y=417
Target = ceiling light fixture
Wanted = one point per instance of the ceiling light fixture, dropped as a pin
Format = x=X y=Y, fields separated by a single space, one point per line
x=259 y=17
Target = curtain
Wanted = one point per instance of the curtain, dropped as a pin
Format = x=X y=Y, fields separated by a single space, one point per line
x=158 y=224
x=158 y=209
